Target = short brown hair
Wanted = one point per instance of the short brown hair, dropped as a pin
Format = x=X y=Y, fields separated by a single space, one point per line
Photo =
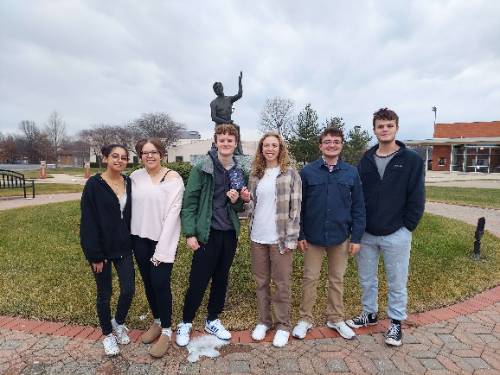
x=154 y=141
x=385 y=114
x=333 y=132
x=228 y=129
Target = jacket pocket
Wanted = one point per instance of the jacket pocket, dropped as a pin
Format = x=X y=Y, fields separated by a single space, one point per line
x=316 y=186
x=345 y=193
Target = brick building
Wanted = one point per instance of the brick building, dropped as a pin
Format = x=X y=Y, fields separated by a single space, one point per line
x=464 y=147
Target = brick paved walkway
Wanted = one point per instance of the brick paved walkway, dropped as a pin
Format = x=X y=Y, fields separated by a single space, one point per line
x=463 y=338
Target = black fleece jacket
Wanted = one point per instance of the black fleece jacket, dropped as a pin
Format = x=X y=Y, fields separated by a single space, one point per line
x=397 y=199
x=104 y=233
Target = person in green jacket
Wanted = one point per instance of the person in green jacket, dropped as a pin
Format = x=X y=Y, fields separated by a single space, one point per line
x=210 y=223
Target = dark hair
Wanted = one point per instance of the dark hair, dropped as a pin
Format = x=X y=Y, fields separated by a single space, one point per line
x=154 y=141
x=216 y=84
x=106 y=149
x=333 y=132
x=385 y=114
x=228 y=129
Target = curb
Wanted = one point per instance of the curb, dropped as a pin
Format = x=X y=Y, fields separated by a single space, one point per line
x=472 y=305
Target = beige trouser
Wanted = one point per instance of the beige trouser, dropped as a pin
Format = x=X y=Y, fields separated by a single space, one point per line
x=267 y=264
x=337 y=264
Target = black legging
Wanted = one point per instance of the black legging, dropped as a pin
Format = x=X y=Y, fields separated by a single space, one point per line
x=156 y=280
x=126 y=276
x=211 y=261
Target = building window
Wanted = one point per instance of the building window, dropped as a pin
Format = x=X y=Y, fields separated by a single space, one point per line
x=179 y=158
x=442 y=162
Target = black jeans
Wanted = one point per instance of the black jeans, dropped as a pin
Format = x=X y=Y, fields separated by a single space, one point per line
x=156 y=280
x=211 y=261
x=126 y=276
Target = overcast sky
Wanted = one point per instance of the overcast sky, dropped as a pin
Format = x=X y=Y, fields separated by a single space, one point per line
x=109 y=61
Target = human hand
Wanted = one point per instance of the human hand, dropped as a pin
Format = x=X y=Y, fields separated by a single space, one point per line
x=245 y=194
x=233 y=195
x=241 y=76
x=354 y=248
x=192 y=243
x=97 y=267
x=303 y=245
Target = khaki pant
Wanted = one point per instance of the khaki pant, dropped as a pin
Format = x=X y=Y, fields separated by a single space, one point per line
x=267 y=264
x=337 y=264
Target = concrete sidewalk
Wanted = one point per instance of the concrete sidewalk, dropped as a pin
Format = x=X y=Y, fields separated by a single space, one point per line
x=467 y=214
x=7 y=204
x=463 y=338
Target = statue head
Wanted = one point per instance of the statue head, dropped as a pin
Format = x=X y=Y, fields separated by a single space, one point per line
x=218 y=89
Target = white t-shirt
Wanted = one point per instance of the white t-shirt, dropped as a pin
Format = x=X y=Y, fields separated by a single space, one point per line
x=264 y=229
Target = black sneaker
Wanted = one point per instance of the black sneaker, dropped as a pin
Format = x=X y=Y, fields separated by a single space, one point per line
x=394 y=334
x=363 y=320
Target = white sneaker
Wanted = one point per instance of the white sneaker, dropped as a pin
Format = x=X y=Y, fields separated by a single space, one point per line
x=110 y=345
x=182 y=335
x=300 y=330
x=280 y=338
x=216 y=328
x=259 y=332
x=343 y=329
x=121 y=332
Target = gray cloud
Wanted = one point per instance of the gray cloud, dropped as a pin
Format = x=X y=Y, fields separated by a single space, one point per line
x=108 y=62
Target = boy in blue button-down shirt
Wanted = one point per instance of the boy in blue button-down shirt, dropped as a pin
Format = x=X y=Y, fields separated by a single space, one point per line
x=332 y=222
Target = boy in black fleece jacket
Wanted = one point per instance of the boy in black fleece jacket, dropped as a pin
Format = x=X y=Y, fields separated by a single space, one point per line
x=393 y=187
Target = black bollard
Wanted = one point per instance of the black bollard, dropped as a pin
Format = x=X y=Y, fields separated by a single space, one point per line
x=479 y=233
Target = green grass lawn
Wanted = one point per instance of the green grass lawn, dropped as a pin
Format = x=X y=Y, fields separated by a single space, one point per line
x=43 y=273
x=42 y=189
x=488 y=198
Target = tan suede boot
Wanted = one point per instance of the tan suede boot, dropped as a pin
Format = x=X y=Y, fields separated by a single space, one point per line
x=151 y=334
x=159 y=348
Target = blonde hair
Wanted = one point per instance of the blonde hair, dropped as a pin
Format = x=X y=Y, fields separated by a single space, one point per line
x=259 y=162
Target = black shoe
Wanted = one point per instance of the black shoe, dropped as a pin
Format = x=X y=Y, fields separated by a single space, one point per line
x=394 y=334
x=363 y=320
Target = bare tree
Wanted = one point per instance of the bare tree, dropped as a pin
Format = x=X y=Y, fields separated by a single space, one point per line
x=8 y=149
x=56 y=133
x=97 y=137
x=277 y=115
x=32 y=141
x=158 y=125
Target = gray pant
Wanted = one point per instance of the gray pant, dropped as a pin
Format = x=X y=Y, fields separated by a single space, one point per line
x=395 y=249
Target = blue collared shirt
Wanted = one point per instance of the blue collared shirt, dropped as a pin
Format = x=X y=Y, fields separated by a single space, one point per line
x=332 y=204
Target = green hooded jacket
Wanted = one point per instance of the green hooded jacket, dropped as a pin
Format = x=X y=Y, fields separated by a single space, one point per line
x=196 y=213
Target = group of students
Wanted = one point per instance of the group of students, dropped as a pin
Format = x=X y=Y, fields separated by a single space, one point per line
x=330 y=208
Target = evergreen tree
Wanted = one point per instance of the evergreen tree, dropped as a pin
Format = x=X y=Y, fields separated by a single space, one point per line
x=355 y=140
x=303 y=141
x=355 y=145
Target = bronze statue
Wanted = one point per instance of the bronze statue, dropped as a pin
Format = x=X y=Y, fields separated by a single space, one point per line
x=221 y=108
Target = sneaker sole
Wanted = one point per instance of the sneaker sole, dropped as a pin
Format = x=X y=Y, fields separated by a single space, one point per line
x=214 y=334
x=301 y=337
x=258 y=339
x=361 y=326
x=392 y=342
x=280 y=346
x=340 y=333
x=180 y=345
